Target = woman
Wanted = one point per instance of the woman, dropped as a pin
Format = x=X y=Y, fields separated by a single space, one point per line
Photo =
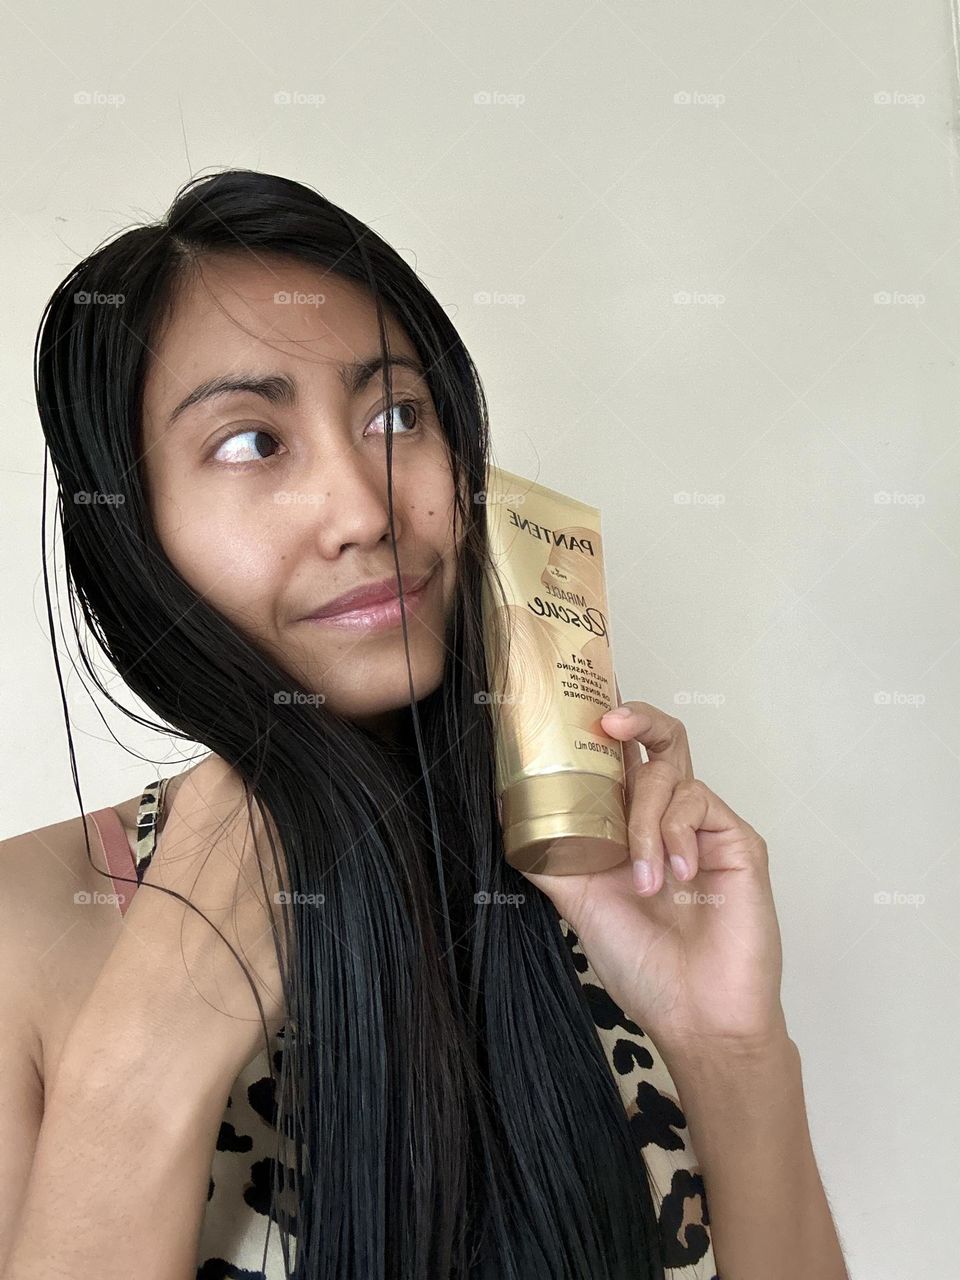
x=443 y=1072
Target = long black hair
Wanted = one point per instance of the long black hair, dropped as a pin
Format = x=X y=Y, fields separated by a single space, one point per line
x=447 y=1098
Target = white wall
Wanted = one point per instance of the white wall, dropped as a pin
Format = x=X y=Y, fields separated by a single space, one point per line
x=814 y=627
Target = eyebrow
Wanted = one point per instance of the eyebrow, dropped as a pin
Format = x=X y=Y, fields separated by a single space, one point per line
x=279 y=388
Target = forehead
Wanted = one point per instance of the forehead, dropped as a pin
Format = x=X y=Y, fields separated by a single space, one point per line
x=244 y=311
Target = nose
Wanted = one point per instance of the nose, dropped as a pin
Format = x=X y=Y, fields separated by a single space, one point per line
x=351 y=507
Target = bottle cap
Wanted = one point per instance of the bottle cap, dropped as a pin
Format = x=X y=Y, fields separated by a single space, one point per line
x=564 y=823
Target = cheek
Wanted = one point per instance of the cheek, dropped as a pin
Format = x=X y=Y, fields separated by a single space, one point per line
x=224 y=556
x=434 y=511
x=431 y=501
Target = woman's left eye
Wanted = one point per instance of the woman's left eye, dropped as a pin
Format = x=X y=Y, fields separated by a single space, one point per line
x=415 y=406
x=236 y=451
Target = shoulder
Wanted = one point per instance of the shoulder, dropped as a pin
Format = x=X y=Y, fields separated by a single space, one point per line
x=57 y=925
x=42 y=870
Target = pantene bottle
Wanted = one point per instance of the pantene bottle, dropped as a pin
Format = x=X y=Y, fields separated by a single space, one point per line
x=559 y=777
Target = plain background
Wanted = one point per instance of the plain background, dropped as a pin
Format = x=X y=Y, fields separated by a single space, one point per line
x=707 y=258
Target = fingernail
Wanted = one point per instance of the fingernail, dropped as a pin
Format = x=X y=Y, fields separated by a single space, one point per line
x=620 y=713
x=680 y=868
x=643 y=874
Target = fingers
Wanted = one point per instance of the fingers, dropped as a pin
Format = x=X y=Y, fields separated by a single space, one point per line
x=684 y=816
x=664 y=737
x=682 y=820
x=652 y=801
x=666 y=804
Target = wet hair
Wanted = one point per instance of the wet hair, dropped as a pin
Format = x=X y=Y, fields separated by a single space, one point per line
x=445 y=1107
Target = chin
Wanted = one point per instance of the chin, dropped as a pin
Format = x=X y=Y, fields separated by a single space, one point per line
x=382 y=693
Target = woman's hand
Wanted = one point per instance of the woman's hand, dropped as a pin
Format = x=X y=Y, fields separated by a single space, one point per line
x=205 y=853
x=695 y=959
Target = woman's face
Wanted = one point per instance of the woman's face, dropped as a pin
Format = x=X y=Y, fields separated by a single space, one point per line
x=270 y=505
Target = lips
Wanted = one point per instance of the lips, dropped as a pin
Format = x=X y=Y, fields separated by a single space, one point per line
x=366 y=595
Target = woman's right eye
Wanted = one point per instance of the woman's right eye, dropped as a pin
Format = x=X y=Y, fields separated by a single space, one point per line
x=235 y=453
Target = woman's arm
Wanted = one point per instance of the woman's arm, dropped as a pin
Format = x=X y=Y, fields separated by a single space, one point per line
x=747 y=1118
x=121 y=1168
x=132 y=1106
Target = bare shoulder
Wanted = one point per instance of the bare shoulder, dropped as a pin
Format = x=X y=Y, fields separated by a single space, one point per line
x=57 y=925
x=58 y=918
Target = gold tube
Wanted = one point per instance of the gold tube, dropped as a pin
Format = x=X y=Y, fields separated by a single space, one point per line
x=559 y=776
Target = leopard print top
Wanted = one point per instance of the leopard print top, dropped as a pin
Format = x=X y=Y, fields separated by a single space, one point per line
x=234 y=1229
